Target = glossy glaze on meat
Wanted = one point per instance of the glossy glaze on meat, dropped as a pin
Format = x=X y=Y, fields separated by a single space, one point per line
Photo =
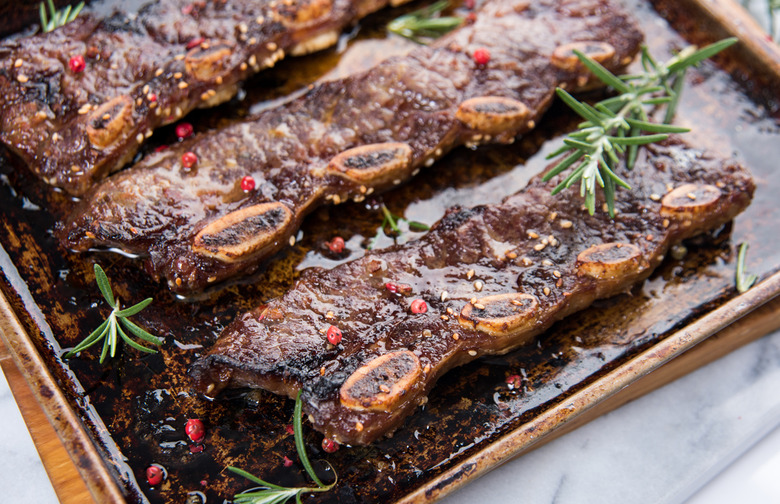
x=345 y=139
x=144 y=70
x=491 y=278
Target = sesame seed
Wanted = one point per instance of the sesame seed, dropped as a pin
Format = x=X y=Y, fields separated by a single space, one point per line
x=183 y=85
x=384 y=388
x=429 y=162
x=253 y=40
x=472 y=353
x=292 y=241
x=322 y=371
x=649 y=237
x=552 y=216
x=242 y=66
x=358 y=426
x=546 y=291
x=330 y=315
x=566 y=224
x=260 y=20
x=336 y=199
x=271 y=46
x=470 y=274
x=179 y=57
x=396 y=181
x=74 y=168
x=449 y=311
x=511 y=255
x=478 y=285
x=655 y=197
x=231 y=162
x=539 y=247
x=90 y=235
x=18 y=63
x=427 y=333
x=527 y=261
x=40 y=114
x=532 y=235
x=557 y=274
x=139 y=101
x=218 y=80
x=473 y=300
x=531 y=124
x=455 y=336
x=444 y=295
x=426 y=369
x=177 y=75
x=691 y=196
x=545 y=241
x=666 y=223
x=604 y=208
x=204 y=96
x=243 y=28
x=479 y=306
x=178 y=281
x=444 y=318
x=158 y=72
x=547 y=262
x=22 y=78
x=56 y=137
x=211 y=279
x=139 y=138
x=145 y=90
x=252 y=60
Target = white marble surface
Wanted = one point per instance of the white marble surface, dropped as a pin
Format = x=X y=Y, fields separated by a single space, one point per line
x=712 y=437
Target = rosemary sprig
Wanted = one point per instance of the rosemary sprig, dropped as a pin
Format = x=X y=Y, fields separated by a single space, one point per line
x=56 y=17
x=112 y=326
x=275 y=494
x=391 y=220
x=613 y=126
x=425 y=23
x=744 y=281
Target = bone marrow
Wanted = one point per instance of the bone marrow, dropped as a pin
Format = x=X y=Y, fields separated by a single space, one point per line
x=243 y=232
x=382 y=383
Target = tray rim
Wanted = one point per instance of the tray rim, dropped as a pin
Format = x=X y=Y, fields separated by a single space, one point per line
x=101 y=480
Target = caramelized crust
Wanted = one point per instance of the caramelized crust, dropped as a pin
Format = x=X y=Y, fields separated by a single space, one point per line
x=345 y=139
x=165 y=60
x=493 y=277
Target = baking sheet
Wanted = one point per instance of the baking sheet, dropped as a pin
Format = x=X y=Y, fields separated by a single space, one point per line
x=133 y=409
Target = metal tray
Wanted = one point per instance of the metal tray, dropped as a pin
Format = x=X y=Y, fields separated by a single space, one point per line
x=116 y=419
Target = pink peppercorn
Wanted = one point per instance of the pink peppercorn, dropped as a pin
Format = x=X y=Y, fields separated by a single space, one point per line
x=154 y=475
x=195 y=430
x=329 y=446
x=481 y=56
x=334 y=335
x=419 y=306
x=247 y=183
x=184 y=130
x=188 y=159
x=77 y=64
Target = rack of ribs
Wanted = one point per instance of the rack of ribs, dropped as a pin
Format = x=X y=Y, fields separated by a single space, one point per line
x=80 y=100
x=186 y=209
x=366 y=341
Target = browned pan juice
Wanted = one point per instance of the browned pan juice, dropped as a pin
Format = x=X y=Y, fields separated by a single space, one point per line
x=136 y=405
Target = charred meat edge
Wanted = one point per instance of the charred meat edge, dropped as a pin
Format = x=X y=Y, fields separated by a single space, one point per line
x=491 y=277
x=344 y=140
x=140 y=72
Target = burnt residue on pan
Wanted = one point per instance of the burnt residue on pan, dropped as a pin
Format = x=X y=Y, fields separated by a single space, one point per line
x=136 y=406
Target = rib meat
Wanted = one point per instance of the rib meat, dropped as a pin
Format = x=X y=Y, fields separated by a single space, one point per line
x=490 y=277
x=345 y=139
x=73 y=126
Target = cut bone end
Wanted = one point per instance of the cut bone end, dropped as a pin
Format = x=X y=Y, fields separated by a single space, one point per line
x=690 y=202
x=564 y=58
x=240 y=234
x=110 y=122
x=500 y=315
x=608 y=261
x=208 y=63
x=372 y=164
x=381 y=384
x=492 y=114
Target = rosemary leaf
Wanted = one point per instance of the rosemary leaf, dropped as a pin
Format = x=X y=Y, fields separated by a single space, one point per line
x=425 y=23
x=56 y=18
x=618 y=125
x=744 y=282
x=299 y=443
